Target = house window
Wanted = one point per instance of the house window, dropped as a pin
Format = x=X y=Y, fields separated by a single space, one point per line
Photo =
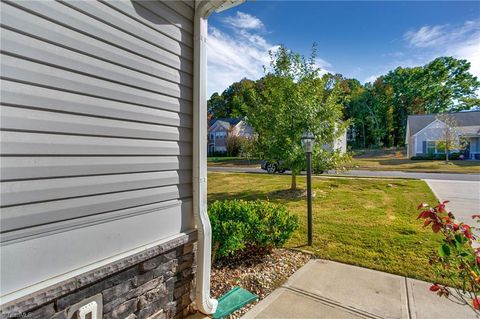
x=431 y=147
x=351 y=134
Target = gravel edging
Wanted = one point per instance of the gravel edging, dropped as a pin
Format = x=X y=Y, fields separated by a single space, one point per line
x=259 y=272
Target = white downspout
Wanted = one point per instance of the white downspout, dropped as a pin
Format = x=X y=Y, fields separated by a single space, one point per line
x=204 y=303
x=203 y=9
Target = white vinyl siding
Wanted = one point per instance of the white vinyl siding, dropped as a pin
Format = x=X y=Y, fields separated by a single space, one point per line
x=96 y=125
x=427 y=140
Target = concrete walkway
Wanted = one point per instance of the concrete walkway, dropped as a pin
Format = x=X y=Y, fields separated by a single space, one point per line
x=326 y=289
x=464 y=197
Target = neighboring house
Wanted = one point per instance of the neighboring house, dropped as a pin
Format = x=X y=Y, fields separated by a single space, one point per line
x=340 y=144
x=351 y=134
x=425 y=133
x=103 y=163
x=221 y=129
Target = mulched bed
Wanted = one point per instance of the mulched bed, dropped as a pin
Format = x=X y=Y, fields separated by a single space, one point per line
x=257 y=271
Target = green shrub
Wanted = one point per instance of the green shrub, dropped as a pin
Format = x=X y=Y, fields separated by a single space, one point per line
x=454 y=156
x=325 y=160
x=437 y=157
x=237 y=224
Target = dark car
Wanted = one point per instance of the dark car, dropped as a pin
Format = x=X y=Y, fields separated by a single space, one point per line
x=273 y=166
x=279 y=166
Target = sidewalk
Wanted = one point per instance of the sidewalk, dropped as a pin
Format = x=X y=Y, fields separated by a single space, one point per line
x=464 y=197
x=326 y=289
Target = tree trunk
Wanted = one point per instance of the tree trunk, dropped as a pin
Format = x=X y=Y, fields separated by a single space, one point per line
x=364 y=138
x=294 y=182
x=447 y=147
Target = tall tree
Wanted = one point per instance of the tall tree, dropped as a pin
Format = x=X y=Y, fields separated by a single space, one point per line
x=450 y=87
x=380 y=112
x=231 y=103
x=216 y=106
x=289 y=100
x=443 y=85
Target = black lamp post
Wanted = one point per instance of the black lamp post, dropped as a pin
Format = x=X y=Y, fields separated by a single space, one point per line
x=308 y=142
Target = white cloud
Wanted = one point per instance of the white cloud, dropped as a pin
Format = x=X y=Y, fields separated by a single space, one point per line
x=426 y=36
x=244 y=21
x=371 y=78
x=231 y=58
x=241 y=53
x=461 y=41
x=325 y=66
x=469 y=50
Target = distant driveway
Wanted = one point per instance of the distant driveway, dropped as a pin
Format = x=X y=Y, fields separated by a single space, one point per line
x=364 y=173
x=464 y=197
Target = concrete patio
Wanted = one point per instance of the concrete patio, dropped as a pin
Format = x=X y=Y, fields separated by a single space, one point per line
x=326 y=289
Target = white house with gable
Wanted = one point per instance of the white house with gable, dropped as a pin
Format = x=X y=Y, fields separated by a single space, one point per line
x=426 y=132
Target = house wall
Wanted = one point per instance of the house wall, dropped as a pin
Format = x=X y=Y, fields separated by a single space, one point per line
x=341 y=142
x=96 y=138
x=220 y=143
x=155 y=283
x=411 y=147
x=475 y=144
x=433 y=132
x=242 y=129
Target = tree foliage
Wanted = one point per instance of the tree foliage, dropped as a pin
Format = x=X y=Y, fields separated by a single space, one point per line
x=448 y=134
x=377 y=111
x=380 y=112
x=289 y=100
x=231 y=103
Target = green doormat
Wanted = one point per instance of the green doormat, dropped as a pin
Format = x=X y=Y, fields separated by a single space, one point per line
x=233 y=300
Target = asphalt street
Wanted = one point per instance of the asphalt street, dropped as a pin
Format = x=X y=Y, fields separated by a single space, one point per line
x=362 y=173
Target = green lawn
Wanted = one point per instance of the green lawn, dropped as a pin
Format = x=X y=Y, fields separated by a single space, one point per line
x=365 y=222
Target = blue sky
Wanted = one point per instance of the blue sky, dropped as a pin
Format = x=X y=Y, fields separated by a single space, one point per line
x=358 y=39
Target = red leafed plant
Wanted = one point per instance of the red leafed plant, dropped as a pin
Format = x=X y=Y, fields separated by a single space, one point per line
x=456 y=257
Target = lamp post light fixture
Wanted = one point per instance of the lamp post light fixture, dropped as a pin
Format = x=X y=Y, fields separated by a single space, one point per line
x=308 y=142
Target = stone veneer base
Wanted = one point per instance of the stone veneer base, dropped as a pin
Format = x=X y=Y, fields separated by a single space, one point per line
x=155 y=283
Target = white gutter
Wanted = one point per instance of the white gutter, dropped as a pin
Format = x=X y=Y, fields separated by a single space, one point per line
x=203 y=9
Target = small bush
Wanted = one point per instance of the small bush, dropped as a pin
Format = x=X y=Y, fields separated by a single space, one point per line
x=237 y=224
x=217 y=154
x=454 y=156
x=436 y=157
x=234 y=145
x=326 y=160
